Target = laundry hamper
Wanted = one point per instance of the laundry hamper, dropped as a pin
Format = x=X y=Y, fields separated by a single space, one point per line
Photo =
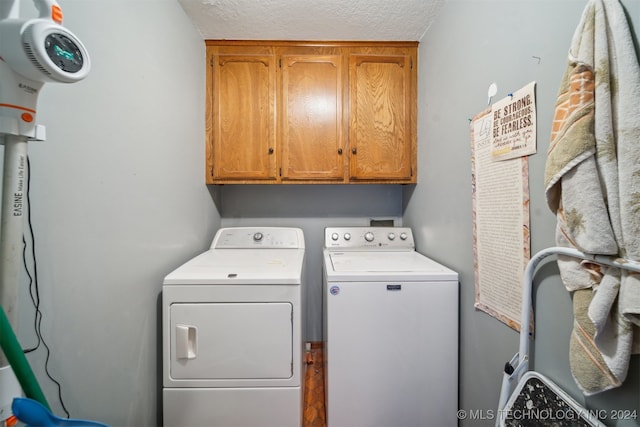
x=528 y=398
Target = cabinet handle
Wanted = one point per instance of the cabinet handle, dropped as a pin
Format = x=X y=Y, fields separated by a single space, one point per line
x=270 y=150
x=354 y=151
x=339 y=150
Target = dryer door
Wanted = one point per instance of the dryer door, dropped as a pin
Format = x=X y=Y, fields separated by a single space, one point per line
x=231 y=341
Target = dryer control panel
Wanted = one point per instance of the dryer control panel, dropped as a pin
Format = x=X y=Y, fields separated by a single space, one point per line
x=369 y=238
x=258 y=238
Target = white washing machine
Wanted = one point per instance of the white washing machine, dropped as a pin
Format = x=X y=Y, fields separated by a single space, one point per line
x=232 y=332
x=390 y=331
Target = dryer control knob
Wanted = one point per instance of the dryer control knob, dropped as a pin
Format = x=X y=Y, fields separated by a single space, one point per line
x=368 y=237
x=257 y=236
x=391 y=236
x=334 y=236
x=347 y=236
x=403 y=236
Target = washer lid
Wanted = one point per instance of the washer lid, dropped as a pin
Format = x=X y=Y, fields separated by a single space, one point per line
x=379 y=265
x=241 y=267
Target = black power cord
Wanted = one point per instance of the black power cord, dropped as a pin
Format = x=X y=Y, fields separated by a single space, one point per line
x=34 y=291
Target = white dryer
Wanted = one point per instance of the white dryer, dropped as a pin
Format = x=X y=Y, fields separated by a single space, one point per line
x=232 y=332
x=390 y=331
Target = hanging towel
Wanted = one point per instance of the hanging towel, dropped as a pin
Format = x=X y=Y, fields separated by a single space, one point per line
x=592 y=183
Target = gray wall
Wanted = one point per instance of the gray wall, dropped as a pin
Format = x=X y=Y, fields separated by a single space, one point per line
x=471 y=45
x=118 y=200
x=118 y=197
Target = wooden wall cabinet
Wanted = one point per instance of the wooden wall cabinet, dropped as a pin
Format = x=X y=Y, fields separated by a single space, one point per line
x=310 y=112
x=382 y=114
x=241 y=114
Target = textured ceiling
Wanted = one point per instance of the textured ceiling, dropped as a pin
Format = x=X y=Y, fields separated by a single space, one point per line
x=312 y=19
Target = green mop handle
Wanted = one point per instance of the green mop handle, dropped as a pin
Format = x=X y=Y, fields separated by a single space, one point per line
x=13 y=352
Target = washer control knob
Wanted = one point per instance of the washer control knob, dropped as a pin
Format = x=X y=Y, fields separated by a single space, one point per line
x=257 y=236
x=347 y=236
x=334 y=236
x=391 y=236
x=369 y=236
x=403 y=236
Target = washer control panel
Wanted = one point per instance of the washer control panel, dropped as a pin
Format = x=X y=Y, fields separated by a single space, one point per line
x=368 y=238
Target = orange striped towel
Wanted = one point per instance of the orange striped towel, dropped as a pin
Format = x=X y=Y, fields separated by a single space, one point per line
x=592 y=182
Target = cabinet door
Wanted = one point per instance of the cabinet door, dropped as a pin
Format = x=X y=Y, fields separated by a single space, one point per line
x=381 y=135
x=311 y=119
x=243 y=122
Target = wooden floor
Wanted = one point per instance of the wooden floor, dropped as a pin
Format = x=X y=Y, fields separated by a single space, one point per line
x=314 y=414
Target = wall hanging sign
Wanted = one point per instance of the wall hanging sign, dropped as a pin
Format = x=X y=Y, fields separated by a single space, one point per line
x=514 y=124
x=501 y=240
